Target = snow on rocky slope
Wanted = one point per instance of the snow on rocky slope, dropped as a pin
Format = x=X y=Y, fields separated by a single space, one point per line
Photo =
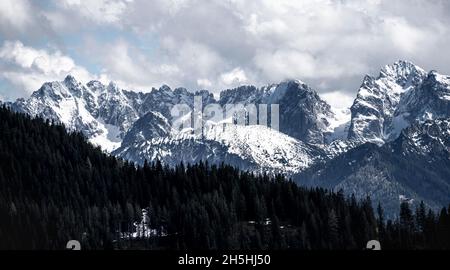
x=378 y=98
x=253 y=148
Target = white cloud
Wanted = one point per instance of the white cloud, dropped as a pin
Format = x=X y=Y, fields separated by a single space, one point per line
x=320 y=40
x=338 y=99
x=196 y=58
x=130 y=68
x=100 y=11
x=204 y=83
x=15 y=13
x=24 y=19
x=405 y=36
x=235 y=77
x=28 y=58
x=26 y=68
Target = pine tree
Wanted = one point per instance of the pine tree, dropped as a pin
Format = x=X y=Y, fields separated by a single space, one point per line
x=421 y=216
x=406 y=217
x=381 y=225
x=333 y=229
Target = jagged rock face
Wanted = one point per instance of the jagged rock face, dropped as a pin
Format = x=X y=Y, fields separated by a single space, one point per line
x=243 y=94
x=378 y=99
x=163 y=99
x=116 y=108
x=253 y=148
x=151 y=126
x=429 y=138
x=431 y=100
x=302 y=113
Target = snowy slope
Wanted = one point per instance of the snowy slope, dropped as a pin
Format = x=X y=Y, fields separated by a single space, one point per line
x=265 y=146
x=254 y=148
x=339 y=125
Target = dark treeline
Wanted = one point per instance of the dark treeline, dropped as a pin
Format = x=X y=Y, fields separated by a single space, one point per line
x=55 y=187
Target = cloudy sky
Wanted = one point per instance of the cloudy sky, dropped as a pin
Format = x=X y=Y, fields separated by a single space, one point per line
x=217 y=44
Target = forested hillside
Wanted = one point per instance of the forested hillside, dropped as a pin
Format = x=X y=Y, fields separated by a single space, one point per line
x=54 y=187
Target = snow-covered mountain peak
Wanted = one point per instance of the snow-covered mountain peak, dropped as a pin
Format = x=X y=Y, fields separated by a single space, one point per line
x=52 y=90
x=96 y=86
x=60 y=90
x=299 y=83
x=102 y=113
x=75 y=87
x=70 y=80
x=403 y=73
x=438 y=84
x=242 y=94
x=277 y=92
x=202 y=93
x=434 y=77
x=269 y=94
x=165 y=88
x=378 y=99
x=181 y=91
x=368 y=80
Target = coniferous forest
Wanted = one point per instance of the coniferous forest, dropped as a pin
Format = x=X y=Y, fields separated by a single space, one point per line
x=54 y=187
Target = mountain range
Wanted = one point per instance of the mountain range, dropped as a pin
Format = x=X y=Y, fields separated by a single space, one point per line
x=393 y=145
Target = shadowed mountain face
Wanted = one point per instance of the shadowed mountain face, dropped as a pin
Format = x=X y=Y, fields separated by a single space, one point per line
x=303 y=114
x=415 y=166
x=366 y=154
